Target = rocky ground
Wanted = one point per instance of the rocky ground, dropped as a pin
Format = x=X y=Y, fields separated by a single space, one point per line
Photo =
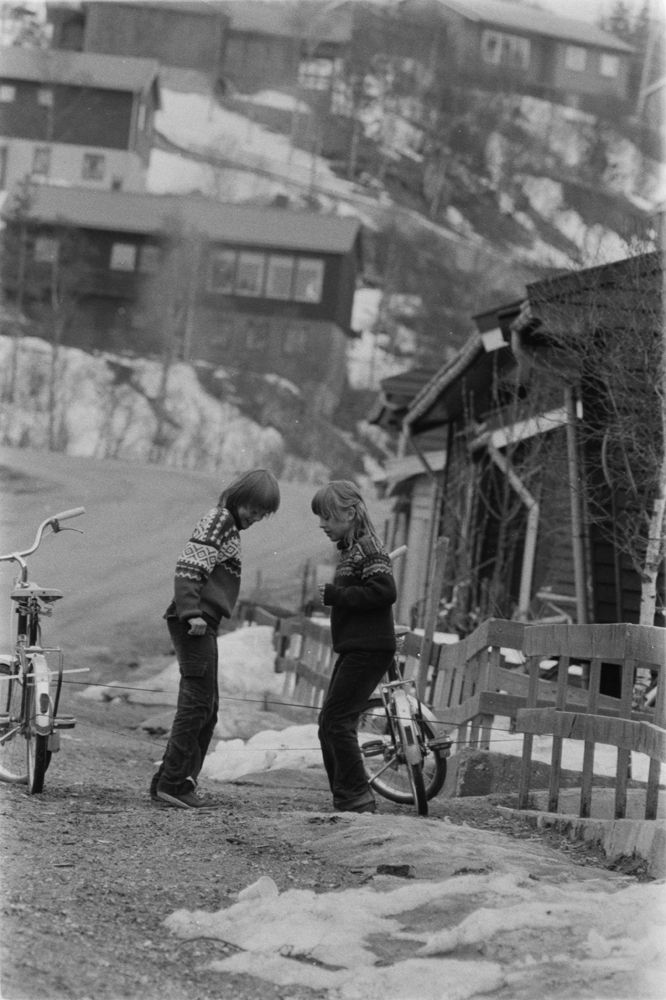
x=91 y=868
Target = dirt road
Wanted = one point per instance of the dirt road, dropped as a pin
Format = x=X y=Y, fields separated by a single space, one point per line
x=91 y=869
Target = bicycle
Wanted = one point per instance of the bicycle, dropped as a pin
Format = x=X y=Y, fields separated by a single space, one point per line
x=29 y=721
x=406 y=760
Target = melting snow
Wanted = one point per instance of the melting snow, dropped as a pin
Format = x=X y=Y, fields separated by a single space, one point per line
x=325 y=941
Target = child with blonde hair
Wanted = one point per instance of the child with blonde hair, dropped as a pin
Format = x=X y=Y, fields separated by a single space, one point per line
x=361 y=599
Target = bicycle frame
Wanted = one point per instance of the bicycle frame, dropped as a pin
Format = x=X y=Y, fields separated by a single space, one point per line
x=27 y=668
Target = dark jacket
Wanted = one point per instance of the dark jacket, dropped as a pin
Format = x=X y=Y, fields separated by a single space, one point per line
x=361 y=598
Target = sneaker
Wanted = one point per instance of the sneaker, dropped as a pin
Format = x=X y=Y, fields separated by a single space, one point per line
x=187 y=800
x=365 y=807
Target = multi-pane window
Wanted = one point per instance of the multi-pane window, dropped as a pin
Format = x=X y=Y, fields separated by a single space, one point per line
x=309 y=280
x=7 y=93
x=123 y=257
x=271 y=276
x=575 y=58
x=94 y=165
x=45 y=250
x=279 y=277
x=501 y=49
x=222 y=273
x=45 y=97
x=250 y=274
x=41 y=161
x=609 y=64
x=315 y=74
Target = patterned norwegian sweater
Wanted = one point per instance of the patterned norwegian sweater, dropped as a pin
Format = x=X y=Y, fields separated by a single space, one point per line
x=208 y=571
x=361 y=598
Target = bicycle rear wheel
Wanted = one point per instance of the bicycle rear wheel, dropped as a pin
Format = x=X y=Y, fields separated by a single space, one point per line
x=12 y=733
x=386 y=772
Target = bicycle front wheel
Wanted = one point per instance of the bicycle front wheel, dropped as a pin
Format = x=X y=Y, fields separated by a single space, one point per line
x=38 y=753
x=387 y=773
x=12 y=730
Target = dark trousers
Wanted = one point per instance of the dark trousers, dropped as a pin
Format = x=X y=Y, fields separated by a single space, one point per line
x=196 y=709
x=355 y=676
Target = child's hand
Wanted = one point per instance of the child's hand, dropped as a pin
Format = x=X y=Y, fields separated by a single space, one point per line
x=197 y=626
x=321 y=588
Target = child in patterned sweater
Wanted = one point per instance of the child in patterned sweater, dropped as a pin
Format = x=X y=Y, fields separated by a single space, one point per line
x=361 y=598
x=206 y=588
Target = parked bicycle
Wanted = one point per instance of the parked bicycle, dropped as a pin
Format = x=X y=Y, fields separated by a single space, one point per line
x=29 y=687
x=405 y=761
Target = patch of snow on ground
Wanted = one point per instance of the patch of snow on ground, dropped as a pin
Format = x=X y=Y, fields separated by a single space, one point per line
x=98 y=418
x=275 y=99
x=283 y=936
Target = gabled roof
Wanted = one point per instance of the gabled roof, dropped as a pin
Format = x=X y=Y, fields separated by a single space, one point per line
x=84 y=69
x=149 y=214
x=313 y=21
x=527 y=20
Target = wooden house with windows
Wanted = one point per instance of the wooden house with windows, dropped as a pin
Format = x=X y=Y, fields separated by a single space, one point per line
x=259 y=289
x=75 y=118
x=526 y=491
x=530 y=50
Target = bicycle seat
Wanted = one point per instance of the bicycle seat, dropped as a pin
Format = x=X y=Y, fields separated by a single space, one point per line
x=34 y=590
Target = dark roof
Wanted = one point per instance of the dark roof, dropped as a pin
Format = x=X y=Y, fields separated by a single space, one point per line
x=85 y=69
x=397 y=392
x=527 y=20
x=315 y=20
x=119 y=211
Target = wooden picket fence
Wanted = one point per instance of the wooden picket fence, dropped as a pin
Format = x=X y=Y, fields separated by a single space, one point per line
x=628 y=646
x=468 y=684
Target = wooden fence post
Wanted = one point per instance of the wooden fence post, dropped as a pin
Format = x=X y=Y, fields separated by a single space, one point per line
x=433 y=596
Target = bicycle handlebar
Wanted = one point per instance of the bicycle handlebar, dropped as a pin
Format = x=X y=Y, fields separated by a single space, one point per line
x=66 y=514
x=54 y=522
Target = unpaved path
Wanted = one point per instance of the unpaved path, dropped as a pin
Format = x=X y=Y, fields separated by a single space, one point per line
x=91 y=869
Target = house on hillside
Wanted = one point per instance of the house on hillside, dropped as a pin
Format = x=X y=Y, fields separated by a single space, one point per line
x=74 y=118
x=271 y=291
x=188 y=35
x=532 y=51
x=522 y=423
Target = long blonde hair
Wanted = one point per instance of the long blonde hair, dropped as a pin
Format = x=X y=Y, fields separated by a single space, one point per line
x=336 y=499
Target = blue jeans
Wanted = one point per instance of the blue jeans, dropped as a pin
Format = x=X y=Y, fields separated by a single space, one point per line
x=196 y=709
x=355 y=676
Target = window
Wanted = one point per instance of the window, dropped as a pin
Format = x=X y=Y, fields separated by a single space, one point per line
x=279 y=277
x=315 y=74
x=575 y=58
x=149 y=259
x=222 y=272
x=45 y=97
x=123 y=257
x=46 y=250
x=250 y=274
x=94 y=165
x=609 y=65
x=7 y=94
x=309 y=280
x=499 y=49
x=256 y=337
x=41 y=161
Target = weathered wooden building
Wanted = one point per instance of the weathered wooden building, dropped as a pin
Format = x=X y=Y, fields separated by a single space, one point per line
x=187 y=35
x=76 y=118
x=258 y=289
x=522 y=414
x=529 y=49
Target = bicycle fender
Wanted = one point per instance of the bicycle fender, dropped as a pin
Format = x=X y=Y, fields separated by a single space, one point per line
x=410 y=743
x=43 y=707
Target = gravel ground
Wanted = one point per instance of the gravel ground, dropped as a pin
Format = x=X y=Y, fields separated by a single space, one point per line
x=91 y=868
